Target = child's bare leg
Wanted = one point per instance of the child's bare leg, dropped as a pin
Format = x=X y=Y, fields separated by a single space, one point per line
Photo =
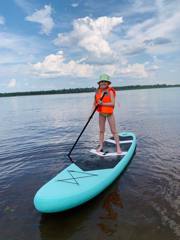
x=102 y=121
x=112 y=124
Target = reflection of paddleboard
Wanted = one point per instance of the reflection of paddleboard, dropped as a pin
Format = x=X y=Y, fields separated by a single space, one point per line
x=86 y=178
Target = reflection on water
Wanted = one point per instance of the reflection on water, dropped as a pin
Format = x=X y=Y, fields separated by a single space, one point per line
x=112 y=200
x=92 y=215
x=110 y=214
x=38 y=131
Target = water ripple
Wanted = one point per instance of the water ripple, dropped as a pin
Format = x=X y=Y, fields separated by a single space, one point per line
x=36 y=134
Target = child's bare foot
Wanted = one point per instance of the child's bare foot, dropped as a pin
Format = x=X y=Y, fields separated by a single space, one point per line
x=119 y=151
x=99 y=148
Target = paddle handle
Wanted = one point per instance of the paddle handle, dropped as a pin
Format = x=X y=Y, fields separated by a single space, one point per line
x=86 y=125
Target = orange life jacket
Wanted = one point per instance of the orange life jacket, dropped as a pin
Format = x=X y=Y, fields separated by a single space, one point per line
x=106 y=99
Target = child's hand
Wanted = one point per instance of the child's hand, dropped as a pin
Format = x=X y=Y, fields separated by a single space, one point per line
x=100 y=102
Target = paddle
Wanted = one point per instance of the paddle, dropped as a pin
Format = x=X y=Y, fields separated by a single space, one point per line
x=85 y=126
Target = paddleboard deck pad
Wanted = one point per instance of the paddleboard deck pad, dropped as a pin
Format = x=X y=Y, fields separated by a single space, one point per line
x=86 y=177
x=106 y=153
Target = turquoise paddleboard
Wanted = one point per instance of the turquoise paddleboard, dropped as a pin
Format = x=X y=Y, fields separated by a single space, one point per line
x=86 y=178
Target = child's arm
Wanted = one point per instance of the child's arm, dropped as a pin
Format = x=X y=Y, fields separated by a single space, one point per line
x=112 y=103
x=93 y=105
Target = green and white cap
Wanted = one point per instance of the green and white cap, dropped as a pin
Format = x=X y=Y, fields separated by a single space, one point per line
x=104 y=78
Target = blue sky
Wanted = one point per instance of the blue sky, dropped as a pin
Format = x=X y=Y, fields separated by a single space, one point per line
x=67 y=44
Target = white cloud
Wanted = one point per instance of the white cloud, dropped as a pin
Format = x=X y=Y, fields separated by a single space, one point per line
x=25 y=5
x=137 y=30
x=91 y=35
x=2 y=20
x=99 y=45
x=141 y=6
x=13 y=47
x=43 y=17
x=12 y=83
x=95 y=45
x=132 y=9
x=152 y=36
x=160 y=22
x=164 y=28
x=16 y=52
x=54 y=65
x=10 y=41
x=134 y=70
x=74 y=5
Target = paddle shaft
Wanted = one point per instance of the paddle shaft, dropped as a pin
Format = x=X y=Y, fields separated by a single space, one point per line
x=86 y=125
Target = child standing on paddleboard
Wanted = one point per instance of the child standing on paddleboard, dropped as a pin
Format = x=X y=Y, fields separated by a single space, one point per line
x=106 y=109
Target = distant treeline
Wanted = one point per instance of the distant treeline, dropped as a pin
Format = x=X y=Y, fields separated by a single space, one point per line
x=84 y=90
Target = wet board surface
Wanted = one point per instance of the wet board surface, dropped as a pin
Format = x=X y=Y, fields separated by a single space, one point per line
x=109 y=160
x=84 y=179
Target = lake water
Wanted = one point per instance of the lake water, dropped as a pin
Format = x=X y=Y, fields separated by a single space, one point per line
x=36 y=132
